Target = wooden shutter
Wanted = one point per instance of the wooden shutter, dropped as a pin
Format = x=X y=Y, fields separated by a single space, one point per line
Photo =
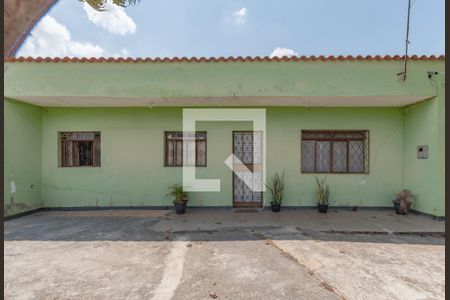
x=97 y=156
x=66 y=149
x=66 y=152
x=201 y=153
x=70 y=149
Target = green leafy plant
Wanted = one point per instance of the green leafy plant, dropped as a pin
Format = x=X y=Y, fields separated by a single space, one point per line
x=177 y=192
x=101 y=4
x=405 y=198
x=322 y=191
x=276 y=188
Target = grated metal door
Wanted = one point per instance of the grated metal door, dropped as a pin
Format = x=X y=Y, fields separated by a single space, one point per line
x=244 y=142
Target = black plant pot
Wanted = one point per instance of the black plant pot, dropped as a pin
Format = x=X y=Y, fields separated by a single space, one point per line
x=397 y=206
x=180 y=207
x=275 y=207
x=398 y=209
x=323 y=208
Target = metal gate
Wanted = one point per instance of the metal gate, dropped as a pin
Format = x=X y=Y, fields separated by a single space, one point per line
x=250 y=170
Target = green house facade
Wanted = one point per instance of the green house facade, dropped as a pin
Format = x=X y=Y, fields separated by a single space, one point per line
x=100 y=133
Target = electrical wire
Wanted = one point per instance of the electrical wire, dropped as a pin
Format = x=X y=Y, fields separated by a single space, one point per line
x=406 y=43
x=435 y=86
x=406 y=110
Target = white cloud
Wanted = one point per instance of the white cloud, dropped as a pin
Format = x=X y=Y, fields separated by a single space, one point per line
x=53 y=39
x=113 y=19
x=280 y=52
x=123 y=53
x=240 y=16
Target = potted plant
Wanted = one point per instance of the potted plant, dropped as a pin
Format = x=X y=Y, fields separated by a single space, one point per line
x=276 y=188
x=180 y=196
x=403 y=201
x=322 y=195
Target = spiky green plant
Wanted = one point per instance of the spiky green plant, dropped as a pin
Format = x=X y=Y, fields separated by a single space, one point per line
x=276 y=188
x=322 y=191
x=177 y=192
x=100 y=5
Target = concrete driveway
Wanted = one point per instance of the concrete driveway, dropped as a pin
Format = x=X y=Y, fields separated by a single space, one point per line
x=224 y=255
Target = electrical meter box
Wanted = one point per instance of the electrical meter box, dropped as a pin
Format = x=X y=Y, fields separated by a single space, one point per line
x=422 y=152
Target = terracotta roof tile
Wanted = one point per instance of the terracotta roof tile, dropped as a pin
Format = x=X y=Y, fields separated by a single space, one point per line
x=221 y=59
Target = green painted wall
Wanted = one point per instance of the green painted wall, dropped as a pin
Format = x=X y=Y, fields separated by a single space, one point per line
x=132 y=171
x=424 y=125
x=157 y=80
x=22 y=155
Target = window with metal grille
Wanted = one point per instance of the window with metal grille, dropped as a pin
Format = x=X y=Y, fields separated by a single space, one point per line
x=335 y=151
x=188 y=147
x=80 y=149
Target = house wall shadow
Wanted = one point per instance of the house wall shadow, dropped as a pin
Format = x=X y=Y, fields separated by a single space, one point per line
x=141 y=229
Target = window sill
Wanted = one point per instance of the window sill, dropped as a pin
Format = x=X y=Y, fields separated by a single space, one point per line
x=77 y=167
x=183 y=166
x=333 y=173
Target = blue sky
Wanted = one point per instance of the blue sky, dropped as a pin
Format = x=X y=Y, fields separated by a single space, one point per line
x=156 y=28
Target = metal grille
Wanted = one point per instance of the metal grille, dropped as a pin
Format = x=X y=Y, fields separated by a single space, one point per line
x=185 y=147
x=308 y=157
x=335 y=151
x=339 y=157
x=238 y=189
x=83 y=136
x=257 y=147
x=242 y=193
x=85 y=155
x=247 y=148
x=356 y=156
x=237 y=146
x=80 y=149
x=323 y=158
x=244 y=144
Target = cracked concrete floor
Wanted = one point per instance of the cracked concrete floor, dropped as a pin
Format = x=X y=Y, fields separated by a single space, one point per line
x=51 y=256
